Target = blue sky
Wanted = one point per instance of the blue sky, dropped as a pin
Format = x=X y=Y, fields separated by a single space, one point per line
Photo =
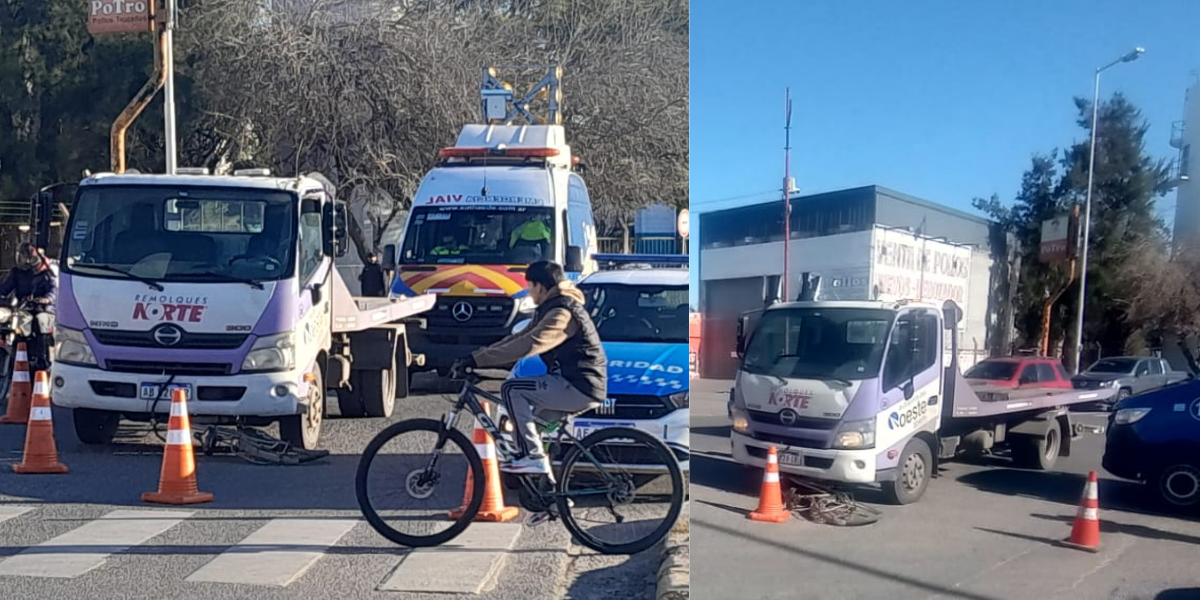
x=945 y=100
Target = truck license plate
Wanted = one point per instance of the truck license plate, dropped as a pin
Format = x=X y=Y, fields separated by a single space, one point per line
x=148 y=390
x=789 y=458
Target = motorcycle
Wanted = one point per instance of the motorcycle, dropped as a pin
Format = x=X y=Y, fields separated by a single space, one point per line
x=16 y=325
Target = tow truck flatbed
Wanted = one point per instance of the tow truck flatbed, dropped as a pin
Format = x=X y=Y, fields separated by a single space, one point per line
x=351 y=314
x=984 y=401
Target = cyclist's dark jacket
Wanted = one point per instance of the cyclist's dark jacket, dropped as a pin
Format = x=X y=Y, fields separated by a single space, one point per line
x=564 y=337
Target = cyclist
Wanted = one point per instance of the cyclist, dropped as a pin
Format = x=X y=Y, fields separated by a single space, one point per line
x=34 y=281
x=564 y=337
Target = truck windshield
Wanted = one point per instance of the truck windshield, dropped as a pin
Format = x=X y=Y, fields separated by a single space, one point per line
x=1113 y=365
x=636 y=313
x=479 y=235
x=992 y=369
x=176 y=234
x=843 y=343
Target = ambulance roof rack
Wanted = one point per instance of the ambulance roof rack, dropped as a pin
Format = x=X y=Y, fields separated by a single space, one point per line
x=640 y=261
x=500 y=103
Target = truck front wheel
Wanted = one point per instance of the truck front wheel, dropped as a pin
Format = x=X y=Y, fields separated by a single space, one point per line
x=304 y=431
x=95 y=426
x=912 y=476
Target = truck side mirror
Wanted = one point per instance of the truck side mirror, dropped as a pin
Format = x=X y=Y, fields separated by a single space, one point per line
x=333 y=226
x=741 y=337
x=389 y=257
x=574 y=260
x=908 y=389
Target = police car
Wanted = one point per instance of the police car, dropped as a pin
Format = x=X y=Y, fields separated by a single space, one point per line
x=639 y=304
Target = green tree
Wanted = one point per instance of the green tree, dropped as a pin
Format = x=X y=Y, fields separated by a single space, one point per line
x=1127 y=181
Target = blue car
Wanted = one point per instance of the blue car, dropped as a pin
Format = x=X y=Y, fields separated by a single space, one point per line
x=1155 y=438
x=642 y=317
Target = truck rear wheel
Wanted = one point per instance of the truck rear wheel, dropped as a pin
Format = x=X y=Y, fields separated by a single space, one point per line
x=1031 y=452
x=95 y=426
x=304 y=431
x=377 y=390
x=912 y=476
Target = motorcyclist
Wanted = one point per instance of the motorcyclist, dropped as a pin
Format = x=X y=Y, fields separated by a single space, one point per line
x=34 y=282
x=564 y=337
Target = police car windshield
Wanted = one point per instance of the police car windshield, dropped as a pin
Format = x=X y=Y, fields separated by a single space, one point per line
x=197 y=234
x=479 y=235
x=639 y=313
x=843 y=343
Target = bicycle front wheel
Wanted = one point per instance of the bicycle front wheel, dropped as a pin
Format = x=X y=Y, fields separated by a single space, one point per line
x=420 y=484
x=621 y=490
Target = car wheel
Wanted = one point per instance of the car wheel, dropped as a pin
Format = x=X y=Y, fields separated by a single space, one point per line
x=1178 y=485
x=1122 y=394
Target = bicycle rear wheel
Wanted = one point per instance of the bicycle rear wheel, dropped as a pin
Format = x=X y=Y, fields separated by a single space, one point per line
x=408 y=491
x=630 y=475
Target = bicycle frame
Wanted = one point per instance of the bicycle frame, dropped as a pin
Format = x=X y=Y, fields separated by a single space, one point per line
x=467 y=399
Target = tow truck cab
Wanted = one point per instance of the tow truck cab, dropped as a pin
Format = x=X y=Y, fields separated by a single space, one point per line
x=841 y=389
x=503 y=197
x=639 y=304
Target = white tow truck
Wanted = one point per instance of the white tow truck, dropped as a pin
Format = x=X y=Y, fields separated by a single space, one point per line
x=223 y=286
x=864 y=392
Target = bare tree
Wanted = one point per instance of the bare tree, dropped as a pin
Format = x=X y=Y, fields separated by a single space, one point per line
x=1163 y=294
x=366 y=92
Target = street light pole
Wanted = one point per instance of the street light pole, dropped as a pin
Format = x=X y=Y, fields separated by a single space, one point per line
x=1087 y=205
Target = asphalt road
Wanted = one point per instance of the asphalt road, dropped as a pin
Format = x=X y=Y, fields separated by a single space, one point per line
x=272 y=532
x=982 y=532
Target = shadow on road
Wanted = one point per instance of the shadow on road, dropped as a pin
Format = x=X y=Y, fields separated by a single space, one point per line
x=718 y=431
x=1066 y=488
x=720 y=472
x=1142 y=531
x=840 y=562
x=634 y=577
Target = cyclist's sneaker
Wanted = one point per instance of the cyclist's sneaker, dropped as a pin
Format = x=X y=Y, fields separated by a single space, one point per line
x=527 y=465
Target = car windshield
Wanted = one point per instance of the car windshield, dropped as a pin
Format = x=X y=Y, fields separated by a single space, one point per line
x=1113 y=365
x=843 y=343
x=992 y=369
x=182 y=233
x=479 y=235
x=639 y=313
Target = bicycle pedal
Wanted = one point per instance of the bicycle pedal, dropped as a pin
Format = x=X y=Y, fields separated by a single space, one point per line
x=538 y=518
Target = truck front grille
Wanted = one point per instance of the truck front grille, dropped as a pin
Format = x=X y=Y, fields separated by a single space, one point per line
x=189 y=341
x=460 y=311
x=165 y=368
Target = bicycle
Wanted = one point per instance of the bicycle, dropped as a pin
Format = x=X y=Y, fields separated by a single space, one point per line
x=546 y=501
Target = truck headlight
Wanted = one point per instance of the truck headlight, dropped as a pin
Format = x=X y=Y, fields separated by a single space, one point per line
x=857 y=435
x=1126 y=416
x=526 y=305
x=679 y=399
x=271 y=353
x=741 y=421
x=73 y=347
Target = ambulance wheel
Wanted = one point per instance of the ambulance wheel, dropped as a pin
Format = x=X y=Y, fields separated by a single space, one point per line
x=304 y=431
x=912 y=474
x=95 y=426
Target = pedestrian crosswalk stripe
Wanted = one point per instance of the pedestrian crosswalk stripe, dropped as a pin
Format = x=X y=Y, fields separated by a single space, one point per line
x=11 y=512
x=468 y=564
x=277 y=553
x=86 y=547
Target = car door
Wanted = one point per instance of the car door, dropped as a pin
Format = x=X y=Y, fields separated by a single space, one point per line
x=1158 y=375
x=1142 y=381
x=1028 y=376
x=1045 y=375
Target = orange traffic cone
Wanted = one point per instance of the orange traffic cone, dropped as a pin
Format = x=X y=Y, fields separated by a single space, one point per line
x=493 y=508
x=1085 y=534
x=41 y=454
x=177 y=483
x=19 y=389
x=770 y=503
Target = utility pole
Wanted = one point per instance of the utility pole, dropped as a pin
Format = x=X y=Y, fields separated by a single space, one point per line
x=169 y=89
x=787 y=189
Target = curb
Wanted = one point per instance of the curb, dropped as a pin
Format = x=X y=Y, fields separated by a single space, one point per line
x=674 y=573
